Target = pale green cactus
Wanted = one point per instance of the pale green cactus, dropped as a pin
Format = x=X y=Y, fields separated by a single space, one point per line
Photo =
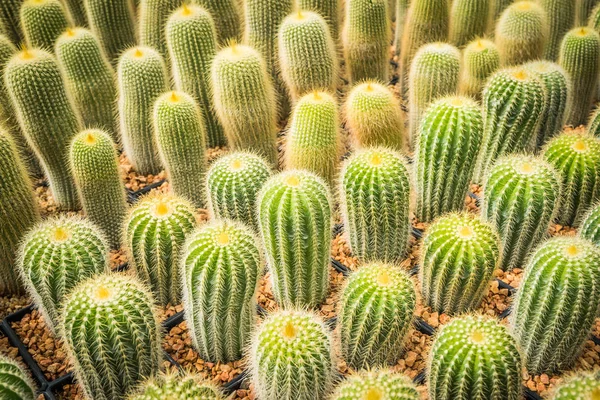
x=560 y=15
x=580 y=386
x=480 y=60
x=228 y=16
x=468 y=20
x=15 y=384
x=152 y=17
x=328 y=9
x=377 y=384
x=176 y=387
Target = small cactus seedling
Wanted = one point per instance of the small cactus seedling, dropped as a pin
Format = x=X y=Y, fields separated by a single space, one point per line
x=378 y=384
x=550 y=325
x=328 y=9
x=153 y=16
x=375 y=315
x=175 y=387
x=560 y=15
x=156 y=231
x=468 y=351
x=43 y=21
x=480 y=60
x=14 y=382
x=590 y=225
x=229 y=19
x=221 y=264
x=468 y=20
x=291 y=357
x=593 y=126
x=581 y=386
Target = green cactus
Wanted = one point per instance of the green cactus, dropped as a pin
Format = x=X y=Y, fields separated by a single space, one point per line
x=560 y=16
x=14 y=382
x=142 y=78
x=590 y=225
x=55 y=256
x=43 y=21
x=375 y=315
x=379 y=384
x=375 y=197
x=76 y=9
x=90 y=78
x=401 y=10
x=448 y=141
x=581 y=386
x=480 y=60
x=191 y=39
x=468 y=20
x=550 y=325
x=291 y=357
x=294 y=212
x=155 y=232
x=46 y=116
x=221 y=264
x=328 y=9
x=579 y=56
x=313 y=140
x=9 y=17
x=497 y=7
x=594 y=20
x=175 y=387
x=245 y=101
x=152 y=17
x=474 y=357
x=513 y=105
x=593 y=126
x=583 y=9
x=94 y=162
x=112 y=335
x=229 y=18
x=577 y=159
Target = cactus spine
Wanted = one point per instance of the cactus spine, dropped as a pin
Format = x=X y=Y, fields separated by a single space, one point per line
x=375 y=192
x=294 y=211
x=560 y=16
x=468 y=20
x=480 y=60
x=552 y=325
x=228 y=18
x=584 y=385
x=43 y=21
x=175 y=387
x=14 y=382
x=449 y=140
x=328 y=9
x=375 y=315
x=369 y=385
x=153 y=16
x=590 y=225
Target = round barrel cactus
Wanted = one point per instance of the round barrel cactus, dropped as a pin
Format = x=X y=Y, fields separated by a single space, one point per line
x=14 y=382
x=377 y=384
x=175 y=387
x=480 y=60
x=468 y=20
x=581 y=386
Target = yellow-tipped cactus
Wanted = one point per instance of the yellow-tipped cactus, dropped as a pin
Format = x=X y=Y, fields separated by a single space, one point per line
x=480 y=60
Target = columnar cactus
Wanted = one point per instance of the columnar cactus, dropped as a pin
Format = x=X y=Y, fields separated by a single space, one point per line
x=14 y=382
x=76 y=9
x=313 y=140
x=375 y=315
x=142 y=78
x=594 y=20
x=221 y=264
x=328 y=9
x=307 y=54
x=228 y=17
x=471 y=350
x=192 y=43
x=55 y=256
x=583 y=10
x=9 y=17
x=291 y=357
x=46 y=116
x=579 y=56
x=175 y=387
x=381 y=384
x=375 y=197
x=245 y=101
x=576 y=157
x=496 y=9
x=593 y=126
x=560 y=15
x=153 y=16
x=43 y=21
x=374 y=117
x=468 y=20
x=585 y=385
x=294 y=211
x=590 y=225
x=178 y=125
x=551 y=325
x=155 y=232
x=520 y=200
x=448 y=141
x=7 y=111
x=480 y=60
x=108 y=321
x=401 y=10
x=94 y=162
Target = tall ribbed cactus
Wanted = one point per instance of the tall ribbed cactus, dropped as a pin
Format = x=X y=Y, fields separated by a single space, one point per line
x=245 y=101
x=112 y=335
x=328 y=9
x=55 y=256
x=47 y=117
x=375 y=314
x=552 y=325
x=152 y=19
x=468 y=20
x=43 y=21
x=590 y=225
x=560 y=15
x=378 y=384
x=448 y=141
x=9 y=17
x=584 y=385
x=155 y=233
x=520 y=199
x=142 y=78
x=480 y=60
x=594 y=20
x=294 y=211
x=375 y=196
x=291 y=358
x=221 y=264
x=401 y=10
x=8 y=115
x=469 y=351
x=77 y=11
x=176 y=387
x=229 y=18
x=15 y=384
x=583 y=10
x=497 y=7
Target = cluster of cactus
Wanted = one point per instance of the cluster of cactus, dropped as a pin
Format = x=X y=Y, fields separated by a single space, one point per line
x=14 y=382
x=175 y=387
x=153 y=16
x=377 y=384
x=480 y=60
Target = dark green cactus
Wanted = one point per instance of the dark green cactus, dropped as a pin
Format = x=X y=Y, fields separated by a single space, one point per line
x=43 y=21
x=468 y=20
x=228 y=17
x=593 y=126
x=583 y=10
x=9 y=17
x=152 y=17
x=175 y=387
x=590 y=225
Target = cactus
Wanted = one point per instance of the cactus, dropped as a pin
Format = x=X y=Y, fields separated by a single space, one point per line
x=55 y=256
x=175 y=387
x=245 y=101
x=46 y=116
x=579 y=56
x=366 y=38
x=179 y=131
x=375 y=315
x=291 y=357
x=522 y=33
x=375 y=193
x=76 y=9
x=480 y=60
x=594 y=20
x=191 y=39
x=497 y=7
x=14 y=382
x=228 y=18
x=469 y=351
x=294 y=212
x=434 y=73
x=94 y=162
x=112 y=335
x=449 y=140
x=577 y=159
x=307 y=54
x=381 y=384
x=513 y=105
x=142 y=78
x=401 y=10
x=43 y=21
x=155 y=233
x=9 y=17
x=468 y=20
x=590 y=225
x=18 y=212
x=153 y=16
x=90 y=78
x=328 y=9
x=560 y=16
x=585 y=385
x=550 y=325
x=313 y=141
x=221 y=264
x=233 y=183
x=593 y=126
x=520 y=199
x=374 y=117
x=583 y=9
